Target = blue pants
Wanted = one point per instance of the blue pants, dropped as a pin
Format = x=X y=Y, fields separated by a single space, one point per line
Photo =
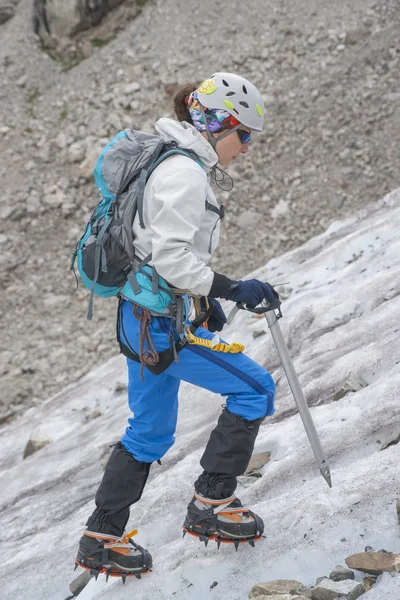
x=248 y=387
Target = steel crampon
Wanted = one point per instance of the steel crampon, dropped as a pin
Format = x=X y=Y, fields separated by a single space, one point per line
x=114 y=571
x=221 y=540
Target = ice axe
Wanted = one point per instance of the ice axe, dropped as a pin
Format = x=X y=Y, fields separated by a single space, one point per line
x=272 y=312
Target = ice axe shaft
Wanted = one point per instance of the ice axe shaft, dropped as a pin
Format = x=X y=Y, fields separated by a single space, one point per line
x=297 y=392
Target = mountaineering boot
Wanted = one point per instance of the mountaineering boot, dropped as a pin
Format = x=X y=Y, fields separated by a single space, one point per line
x=225 y=521
x=103 y=546
x=102 y=553
x=214 y=511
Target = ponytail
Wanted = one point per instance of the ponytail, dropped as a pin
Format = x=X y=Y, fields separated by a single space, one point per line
x=181 y=109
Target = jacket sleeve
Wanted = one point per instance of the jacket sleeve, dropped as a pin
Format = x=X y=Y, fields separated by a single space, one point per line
x=180 y=201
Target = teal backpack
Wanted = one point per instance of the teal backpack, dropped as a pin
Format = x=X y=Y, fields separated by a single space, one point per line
x=105 y=253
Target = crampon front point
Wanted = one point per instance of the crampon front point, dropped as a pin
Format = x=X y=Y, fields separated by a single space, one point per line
x=221 y=540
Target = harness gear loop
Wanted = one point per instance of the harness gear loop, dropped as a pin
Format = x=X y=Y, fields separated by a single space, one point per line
x=148 y=356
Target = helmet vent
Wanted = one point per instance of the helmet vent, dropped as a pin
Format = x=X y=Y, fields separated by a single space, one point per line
x=244 y=89
x=244 y=104
x=225 y=83
x=231 y=93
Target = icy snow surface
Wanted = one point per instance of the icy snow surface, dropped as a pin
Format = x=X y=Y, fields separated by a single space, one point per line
x=342 y=317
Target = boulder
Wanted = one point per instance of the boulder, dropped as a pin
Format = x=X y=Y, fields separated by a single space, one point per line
x=392 y=441
x=353 y=383
x=331 y=590
x=60 y=18
x=374 y=563
x=281 y=597
x=368 y=582
x=33 y=446
x=340 y=573
x=281 y=588
x=257 y=461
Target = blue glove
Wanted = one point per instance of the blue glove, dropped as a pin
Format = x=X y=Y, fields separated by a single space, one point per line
x=251 y=292
x=217 y=318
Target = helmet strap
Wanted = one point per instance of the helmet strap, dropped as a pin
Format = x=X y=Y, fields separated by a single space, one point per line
x=228 y=132
x=213 y=140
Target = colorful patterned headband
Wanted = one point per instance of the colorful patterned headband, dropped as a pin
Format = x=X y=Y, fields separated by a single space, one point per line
x=217 y=119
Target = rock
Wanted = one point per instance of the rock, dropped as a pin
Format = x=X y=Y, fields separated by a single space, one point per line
x=93 y=415
x=120 y=387
x=63 y=183
x=33 y=204
x=330 y=590
x=340 y=573
x=61 y=140
x=67 y=209
x=248 y=218
x=353 y=383
x=54 y=200
x=391 y=442
x=6 y=415
x=114 y=122
x=258 y=333
x=398 y=509
x=281 y=597
x=80 y=582
x=76 y=152
x=354 y=36
x=7 y=11
x=67 y=17
x=86 y=167
x=280 y=209
x=34 y=445
x=284 y=292
x=21 y=81
x=131 y=88
x=368 y=582
x=3 y=238
x=282 y=588
x=51 y=300
x=213 y=585
x=257 y=461
x=374 y=563
x=44 y=154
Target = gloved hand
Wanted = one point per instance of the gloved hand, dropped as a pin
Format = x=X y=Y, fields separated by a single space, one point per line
x=217 y=318
x=251 y=292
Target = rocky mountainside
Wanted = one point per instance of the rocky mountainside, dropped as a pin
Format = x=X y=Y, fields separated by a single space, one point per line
x=330 y=76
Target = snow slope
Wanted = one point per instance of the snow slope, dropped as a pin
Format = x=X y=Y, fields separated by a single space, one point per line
x=342 y=317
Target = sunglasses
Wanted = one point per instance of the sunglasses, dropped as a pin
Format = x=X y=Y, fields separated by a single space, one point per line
x=244 y=136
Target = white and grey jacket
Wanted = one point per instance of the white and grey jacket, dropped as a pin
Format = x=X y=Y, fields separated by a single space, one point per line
x=180 y=231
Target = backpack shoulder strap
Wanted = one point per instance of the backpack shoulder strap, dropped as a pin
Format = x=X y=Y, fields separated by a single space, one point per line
x=169 y=150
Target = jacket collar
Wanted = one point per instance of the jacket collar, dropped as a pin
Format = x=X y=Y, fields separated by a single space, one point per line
x=188 y=138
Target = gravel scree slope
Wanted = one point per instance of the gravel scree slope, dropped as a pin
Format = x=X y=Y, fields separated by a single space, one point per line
x=330 y=74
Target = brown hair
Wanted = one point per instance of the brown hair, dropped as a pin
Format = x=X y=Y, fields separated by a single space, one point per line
x=181 y=110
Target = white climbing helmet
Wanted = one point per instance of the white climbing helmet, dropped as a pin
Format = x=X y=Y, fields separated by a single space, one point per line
x=236 y=95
